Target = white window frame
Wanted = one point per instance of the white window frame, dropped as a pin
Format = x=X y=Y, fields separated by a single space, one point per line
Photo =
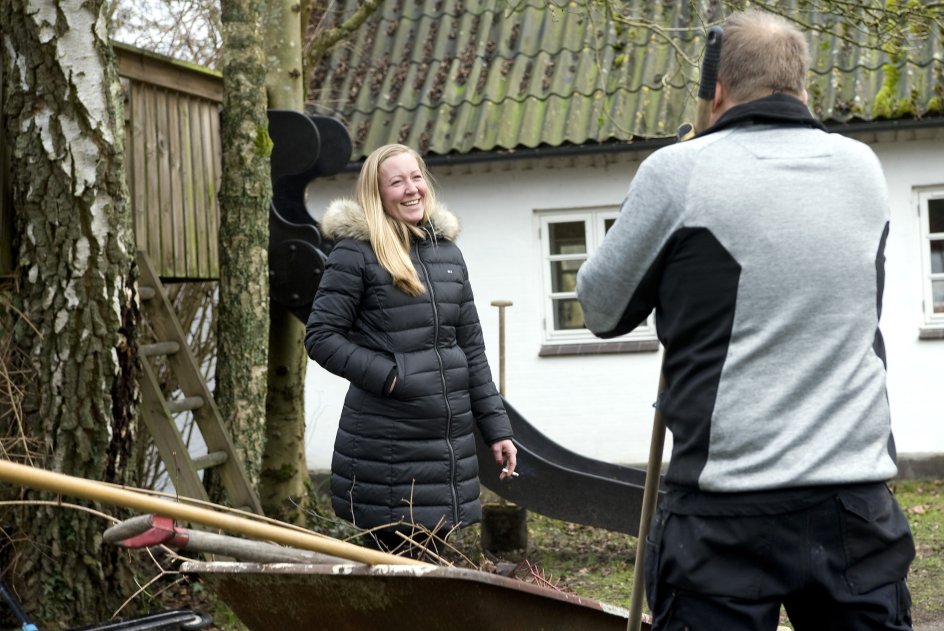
x=932 y=320
x=594 y=219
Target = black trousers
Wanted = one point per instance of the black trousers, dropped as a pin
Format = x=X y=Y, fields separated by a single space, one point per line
x=838 y=565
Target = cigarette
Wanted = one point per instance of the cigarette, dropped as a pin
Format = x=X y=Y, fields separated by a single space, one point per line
x=514 y=474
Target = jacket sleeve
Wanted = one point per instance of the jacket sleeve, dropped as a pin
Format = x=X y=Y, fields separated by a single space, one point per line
x=333 y=313
x=618 y=285
x=487 y=406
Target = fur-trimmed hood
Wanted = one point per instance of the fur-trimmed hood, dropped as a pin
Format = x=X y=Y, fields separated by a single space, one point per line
x=345 y=219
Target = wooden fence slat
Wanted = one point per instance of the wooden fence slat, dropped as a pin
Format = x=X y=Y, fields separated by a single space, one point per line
x=177 y=176
x=201 y=206
x=152 y=206
x=137 y=160
x=215 y=159
x=191 y=265
x=164 y=186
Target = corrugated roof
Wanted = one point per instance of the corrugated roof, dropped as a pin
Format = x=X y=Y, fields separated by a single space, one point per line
x=460 y=76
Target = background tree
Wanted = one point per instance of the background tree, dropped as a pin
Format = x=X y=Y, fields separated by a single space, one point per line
x=190 y=30
x=894 y=27
x=76 y=319
x=321 y=40
x=245 y=195
x=285 y=483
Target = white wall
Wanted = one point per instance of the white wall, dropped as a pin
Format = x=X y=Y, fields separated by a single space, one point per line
x=915 y=366
x=601 y=405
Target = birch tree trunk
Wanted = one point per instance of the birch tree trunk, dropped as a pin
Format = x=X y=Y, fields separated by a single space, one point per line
x=245 y=195
x=285 y=483
x=74 y=253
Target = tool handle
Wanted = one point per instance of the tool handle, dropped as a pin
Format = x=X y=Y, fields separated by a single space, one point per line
x=650 y=498
x=709 y=64
x=709 y=77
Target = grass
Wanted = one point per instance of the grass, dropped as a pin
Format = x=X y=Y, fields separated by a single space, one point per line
x=923 y=503
x=598 y=564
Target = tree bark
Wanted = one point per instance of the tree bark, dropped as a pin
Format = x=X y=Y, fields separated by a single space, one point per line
x=245 y=195
x=285 y=483
x=74 y=257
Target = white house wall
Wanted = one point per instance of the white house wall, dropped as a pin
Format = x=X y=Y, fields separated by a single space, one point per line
x=601 y=405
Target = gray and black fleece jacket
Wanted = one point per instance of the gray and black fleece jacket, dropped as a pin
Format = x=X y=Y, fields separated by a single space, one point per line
x=760 y=246
x=407 y=456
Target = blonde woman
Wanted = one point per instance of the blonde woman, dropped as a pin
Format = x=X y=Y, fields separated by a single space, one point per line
x=394 y=315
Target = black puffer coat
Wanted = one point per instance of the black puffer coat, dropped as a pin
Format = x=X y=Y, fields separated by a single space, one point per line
x=408 y=456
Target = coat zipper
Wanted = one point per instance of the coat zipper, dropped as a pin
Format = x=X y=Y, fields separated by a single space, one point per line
x=442 y=377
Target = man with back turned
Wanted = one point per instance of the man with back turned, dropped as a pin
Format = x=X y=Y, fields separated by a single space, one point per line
x=760 y=245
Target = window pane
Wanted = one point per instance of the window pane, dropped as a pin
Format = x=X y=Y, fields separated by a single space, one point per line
x=608 y=223
x=936 y=215
x=568 y=237
x=937 y=257
x=564 y=275
x=937 y=291
x=567 y=314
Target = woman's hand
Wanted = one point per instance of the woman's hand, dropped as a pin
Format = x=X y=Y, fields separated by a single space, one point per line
x=506 y=455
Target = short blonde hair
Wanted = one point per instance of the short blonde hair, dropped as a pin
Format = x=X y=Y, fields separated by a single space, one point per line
x=762 y=54
x=389 y=236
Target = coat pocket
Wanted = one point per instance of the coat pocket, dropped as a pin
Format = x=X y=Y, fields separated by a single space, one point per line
x=876 y=538
x=399 y=386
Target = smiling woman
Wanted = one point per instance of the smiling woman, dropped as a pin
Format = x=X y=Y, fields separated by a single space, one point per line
x=394 y=315
x=403 y=188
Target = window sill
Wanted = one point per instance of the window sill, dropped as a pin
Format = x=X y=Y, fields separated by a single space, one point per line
x=598 y=348
x=931 y=333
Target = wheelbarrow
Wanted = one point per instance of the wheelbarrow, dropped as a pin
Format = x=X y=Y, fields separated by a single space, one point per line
x=272 y=587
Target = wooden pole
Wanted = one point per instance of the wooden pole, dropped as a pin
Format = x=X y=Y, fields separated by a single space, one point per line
x=650 y=494
x=40 y=479
x=501 y=304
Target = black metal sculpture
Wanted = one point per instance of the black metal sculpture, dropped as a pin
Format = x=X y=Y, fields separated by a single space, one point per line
x=305 y=147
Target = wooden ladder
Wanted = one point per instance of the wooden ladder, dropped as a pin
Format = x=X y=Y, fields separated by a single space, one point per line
x=158 y=412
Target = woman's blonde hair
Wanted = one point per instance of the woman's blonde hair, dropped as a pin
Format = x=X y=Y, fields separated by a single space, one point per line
x=390 y=237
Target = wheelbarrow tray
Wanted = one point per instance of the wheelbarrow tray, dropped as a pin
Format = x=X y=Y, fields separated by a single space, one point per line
x=341 y=597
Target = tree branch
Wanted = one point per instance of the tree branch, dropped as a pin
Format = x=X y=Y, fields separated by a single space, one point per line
x=319 y=45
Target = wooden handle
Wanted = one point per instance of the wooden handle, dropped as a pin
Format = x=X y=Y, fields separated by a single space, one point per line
x=650 y=498
x=40 y=479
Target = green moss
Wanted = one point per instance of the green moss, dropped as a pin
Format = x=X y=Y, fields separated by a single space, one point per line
x=907 y=108
x=283 y=473
x=885 y=105
x=935 y=106
x=264 y=143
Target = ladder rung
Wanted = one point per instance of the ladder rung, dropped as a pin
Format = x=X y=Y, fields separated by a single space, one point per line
x=159 y=348
x=146 y=293
x=185 y=404
x=212 y=459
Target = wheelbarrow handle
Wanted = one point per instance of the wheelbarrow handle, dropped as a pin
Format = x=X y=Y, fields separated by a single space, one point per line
x=17 y=609
x=144 y=531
